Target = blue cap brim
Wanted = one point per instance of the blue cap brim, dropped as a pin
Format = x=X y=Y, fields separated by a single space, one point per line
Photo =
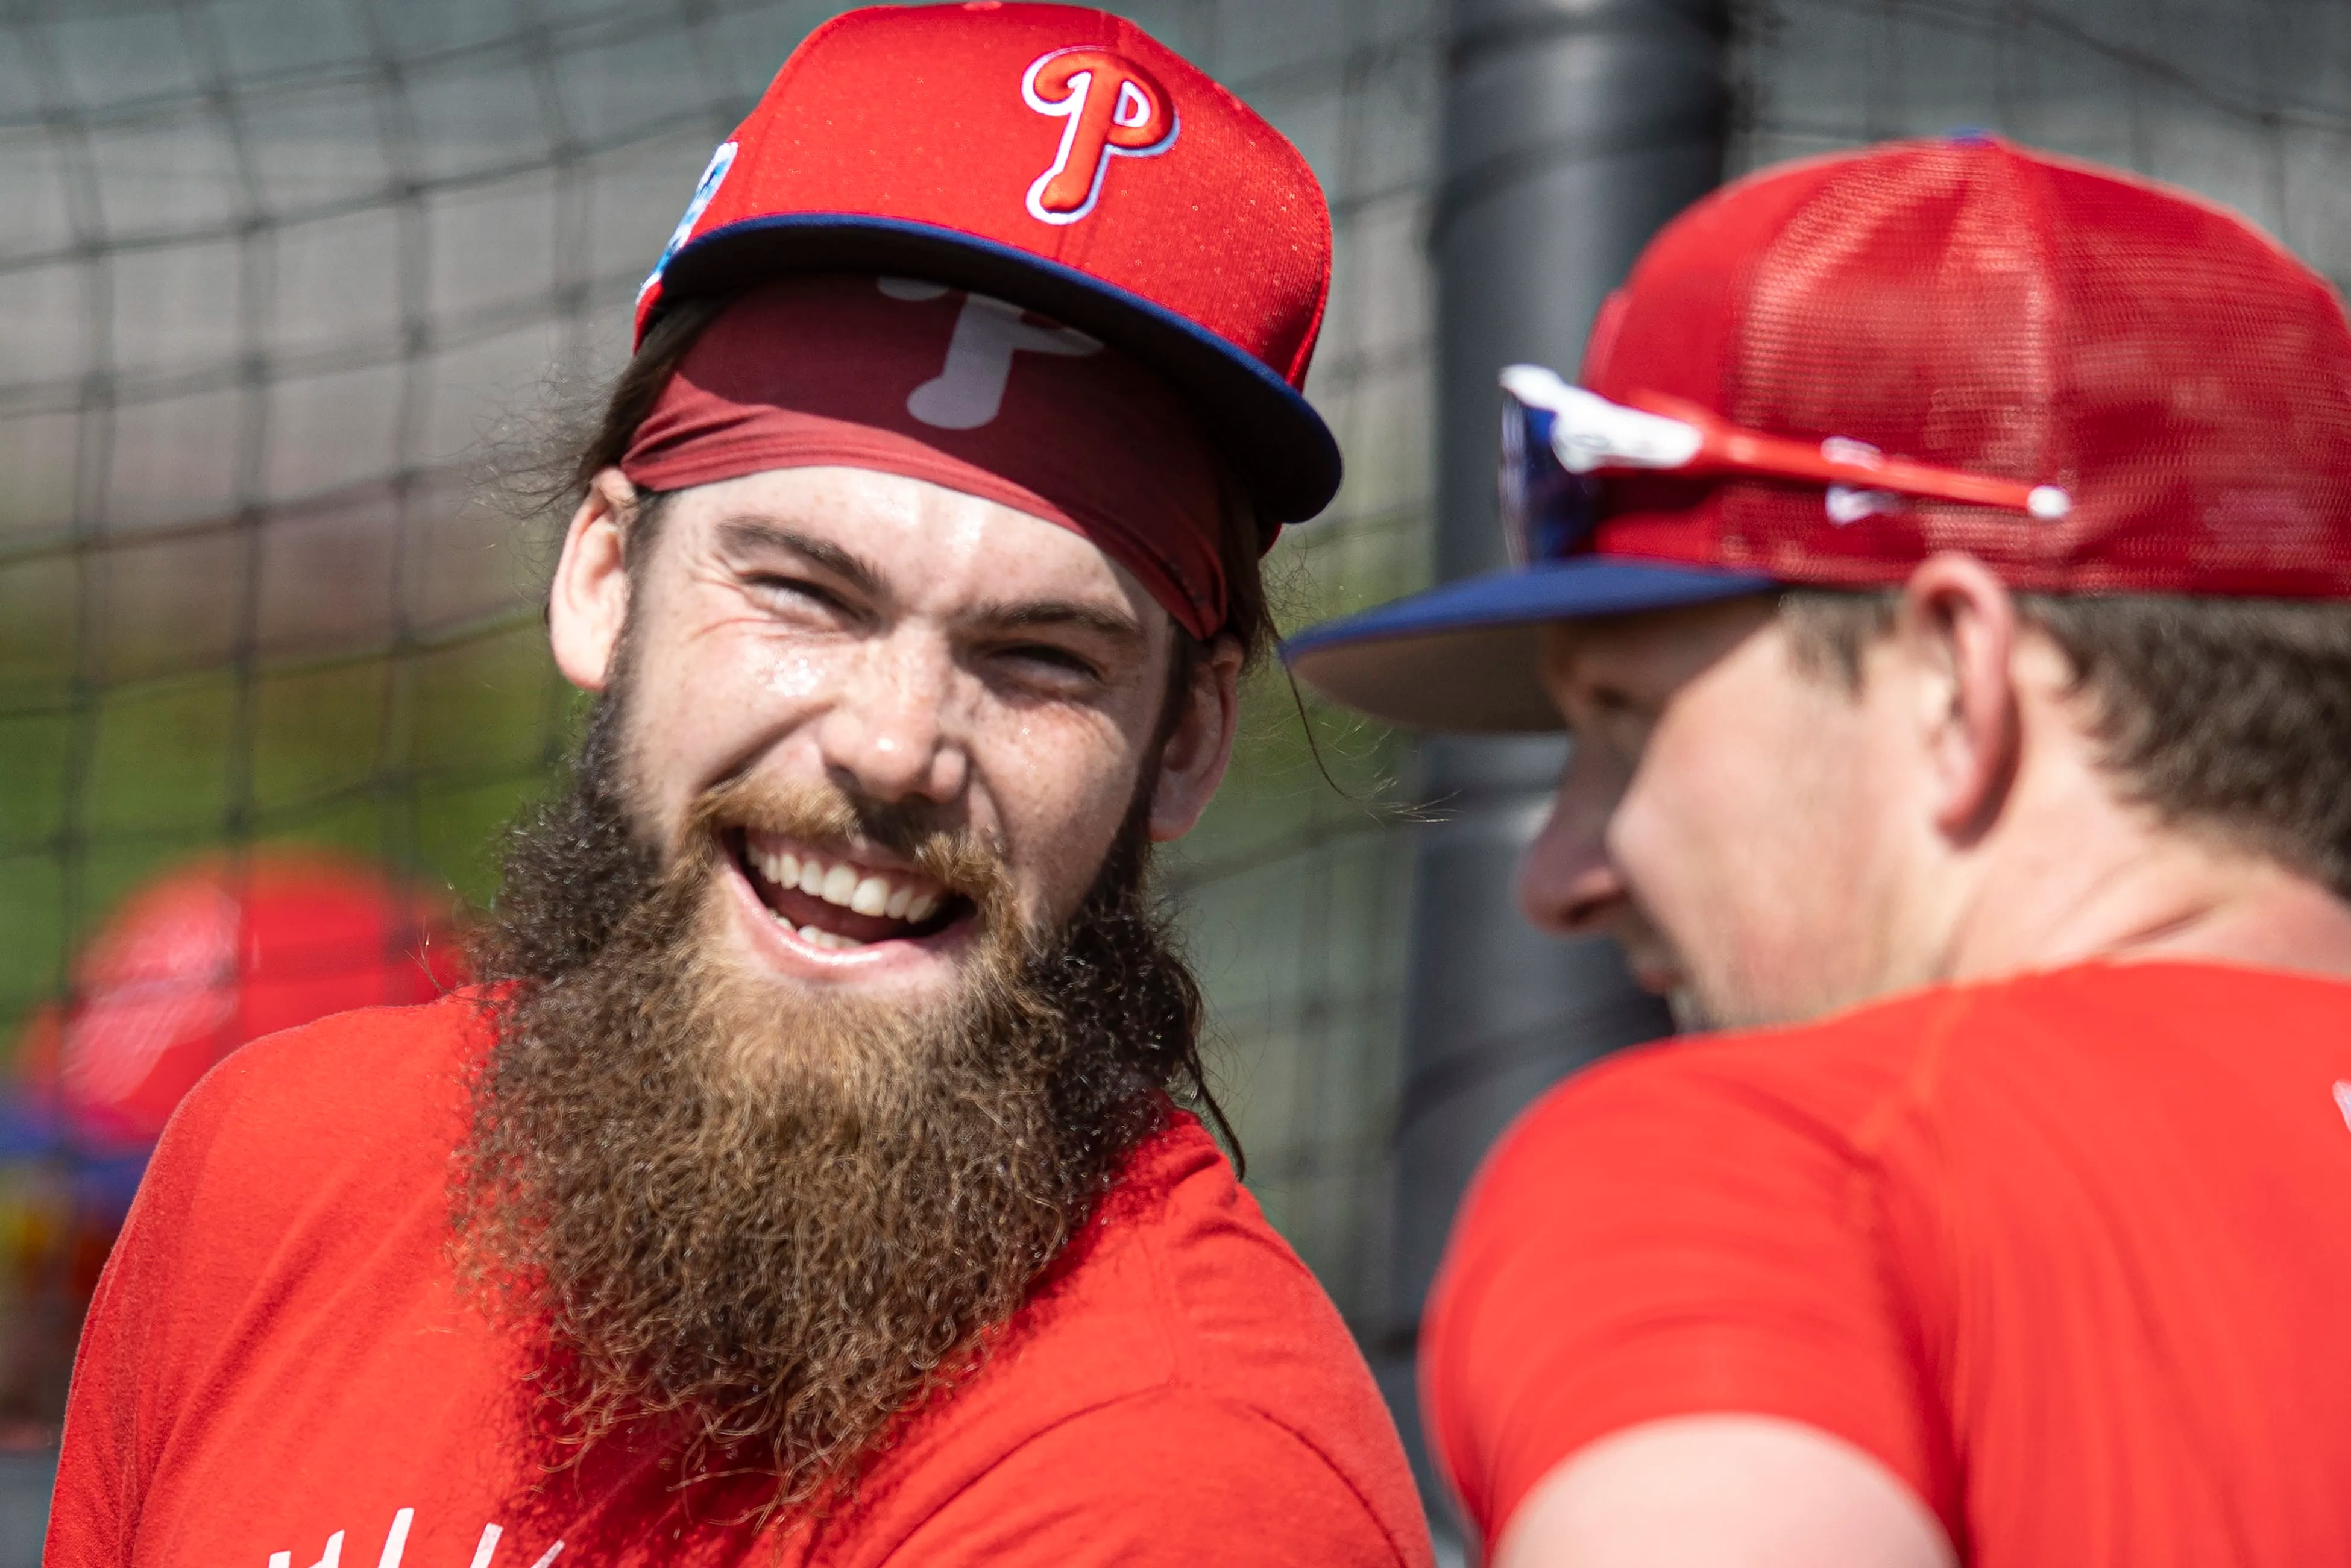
x=1465 y=658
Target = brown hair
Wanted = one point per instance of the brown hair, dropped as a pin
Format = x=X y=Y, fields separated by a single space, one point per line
x=1248 y=618
x=2232 y=716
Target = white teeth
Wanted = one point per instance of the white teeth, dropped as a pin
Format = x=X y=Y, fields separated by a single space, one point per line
x=817 y=936
x=863 y=891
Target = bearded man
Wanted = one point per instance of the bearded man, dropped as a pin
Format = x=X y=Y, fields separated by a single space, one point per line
x=809 y=1186
x=1942 y=573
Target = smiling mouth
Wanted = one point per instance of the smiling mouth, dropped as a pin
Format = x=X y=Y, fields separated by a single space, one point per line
x=835 y=902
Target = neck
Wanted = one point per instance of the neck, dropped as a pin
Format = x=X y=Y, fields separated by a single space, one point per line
x=2148 y=894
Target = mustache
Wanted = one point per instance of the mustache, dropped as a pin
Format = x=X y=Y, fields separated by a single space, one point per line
x=825 y=816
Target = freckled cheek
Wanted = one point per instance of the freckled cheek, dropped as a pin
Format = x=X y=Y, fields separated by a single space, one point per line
x=1061 y=797
x=795 y=675
x=756 y=662
x=717 y=696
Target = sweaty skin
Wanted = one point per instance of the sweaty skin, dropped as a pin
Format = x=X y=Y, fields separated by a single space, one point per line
x=908 y=642
x=1774 y=847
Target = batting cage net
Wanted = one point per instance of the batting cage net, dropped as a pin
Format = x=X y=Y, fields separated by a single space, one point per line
x=286 y=287
x=2246 y=101
x=286 y=284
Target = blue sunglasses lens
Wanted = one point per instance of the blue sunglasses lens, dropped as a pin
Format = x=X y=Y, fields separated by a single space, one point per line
x=1548 y=513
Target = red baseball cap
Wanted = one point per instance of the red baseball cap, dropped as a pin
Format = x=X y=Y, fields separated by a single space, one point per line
x=1828 y=372
x=1057 y=157
x=211 y=956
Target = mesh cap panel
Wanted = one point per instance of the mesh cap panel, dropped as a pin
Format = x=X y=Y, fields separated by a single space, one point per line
x=1973 y=305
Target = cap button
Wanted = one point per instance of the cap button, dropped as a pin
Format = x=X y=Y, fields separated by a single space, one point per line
x=1969 y=136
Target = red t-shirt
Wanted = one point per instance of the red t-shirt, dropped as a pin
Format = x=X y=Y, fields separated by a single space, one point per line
x=279 y=1370
x=2069 y=1254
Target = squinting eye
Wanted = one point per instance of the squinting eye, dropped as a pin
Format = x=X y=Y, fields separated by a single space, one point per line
x=798 y=588
x=1058 y=658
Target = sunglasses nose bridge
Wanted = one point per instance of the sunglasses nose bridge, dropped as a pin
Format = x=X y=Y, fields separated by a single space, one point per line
x=1547 y=508
x=1512 y=483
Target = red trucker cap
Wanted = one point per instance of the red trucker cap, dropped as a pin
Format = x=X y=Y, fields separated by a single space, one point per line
x=2170 y=378
x=1064 y=160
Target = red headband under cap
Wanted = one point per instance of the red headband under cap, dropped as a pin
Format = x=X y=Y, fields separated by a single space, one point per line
x=956 y=389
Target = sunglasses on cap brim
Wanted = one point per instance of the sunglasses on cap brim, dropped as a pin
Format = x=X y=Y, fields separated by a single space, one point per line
x=1559 y=440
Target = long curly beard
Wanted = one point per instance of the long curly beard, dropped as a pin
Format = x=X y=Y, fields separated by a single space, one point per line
x=766 y=1228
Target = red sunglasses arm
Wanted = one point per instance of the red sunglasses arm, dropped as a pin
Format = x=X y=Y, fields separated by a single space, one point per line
x=1725 y=448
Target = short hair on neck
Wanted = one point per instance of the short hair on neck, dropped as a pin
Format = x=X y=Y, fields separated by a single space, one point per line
x=2227 y=717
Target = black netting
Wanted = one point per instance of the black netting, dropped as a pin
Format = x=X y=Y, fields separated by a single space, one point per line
x=283 y=281
x=273 y=272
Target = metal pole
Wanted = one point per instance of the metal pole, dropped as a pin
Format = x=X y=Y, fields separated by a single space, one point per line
x=1572 y=130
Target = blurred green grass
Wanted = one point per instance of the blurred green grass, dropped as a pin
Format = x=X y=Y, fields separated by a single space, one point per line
x=411 y=758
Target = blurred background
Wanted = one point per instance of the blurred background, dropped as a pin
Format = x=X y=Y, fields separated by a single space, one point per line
x=280 y=279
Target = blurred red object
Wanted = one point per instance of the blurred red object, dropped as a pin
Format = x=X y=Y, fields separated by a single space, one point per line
x=211 y=956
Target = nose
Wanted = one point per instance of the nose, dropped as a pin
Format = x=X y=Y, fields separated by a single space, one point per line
x=889 y=734
x=1567 y=881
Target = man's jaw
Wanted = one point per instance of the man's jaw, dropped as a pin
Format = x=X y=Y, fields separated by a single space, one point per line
x=827 y=911
x=1657 y=968
x=1656 y=971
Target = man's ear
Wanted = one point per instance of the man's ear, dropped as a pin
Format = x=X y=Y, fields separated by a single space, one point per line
x=587 y=602
x=1956 y=626
x=1199 y=744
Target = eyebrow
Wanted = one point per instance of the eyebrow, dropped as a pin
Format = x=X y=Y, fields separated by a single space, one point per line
x=748 y=536
x=1038 y=614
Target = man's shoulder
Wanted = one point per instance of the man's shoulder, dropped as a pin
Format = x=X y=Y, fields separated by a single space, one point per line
x=1686 y=1226
x=379 y=1066
x=1173 y=1474
x=1180 y=1281
x=1843 y=1089
x=1776 y=1220
x=1815 y=1078
x=368 y=1095
x=296 y=1157
x=1177 y=1309
x=1838 y=1070
x=1768 y=1113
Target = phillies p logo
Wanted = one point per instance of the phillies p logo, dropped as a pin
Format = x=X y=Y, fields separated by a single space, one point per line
x=1112 y=105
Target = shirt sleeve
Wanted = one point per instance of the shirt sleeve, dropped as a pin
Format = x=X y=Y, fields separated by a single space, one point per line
x=1671 y=1234
x=1177 y=1479
x=123 y=1366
